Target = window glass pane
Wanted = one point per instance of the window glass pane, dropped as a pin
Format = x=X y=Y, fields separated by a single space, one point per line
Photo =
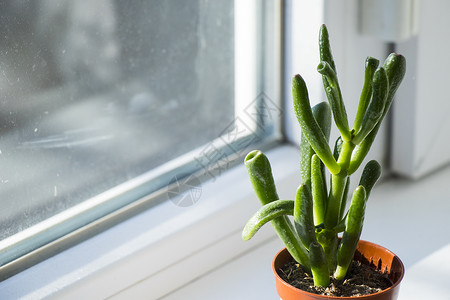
x=94 y=93
x=98 y=95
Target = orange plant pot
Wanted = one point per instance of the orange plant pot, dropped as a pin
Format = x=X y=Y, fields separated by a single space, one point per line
x=367 y=253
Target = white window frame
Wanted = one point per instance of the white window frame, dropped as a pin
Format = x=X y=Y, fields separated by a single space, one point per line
x=157 y=251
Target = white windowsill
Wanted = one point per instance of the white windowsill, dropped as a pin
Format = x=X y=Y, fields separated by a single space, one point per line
x=169 y=252
x=157 y=251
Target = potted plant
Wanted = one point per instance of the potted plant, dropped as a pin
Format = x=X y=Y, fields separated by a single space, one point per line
x=319 y=214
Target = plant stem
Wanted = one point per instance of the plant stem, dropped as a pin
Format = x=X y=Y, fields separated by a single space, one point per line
x=345 y=155
x=329 y=241
x=338 y=183
x=319 y=266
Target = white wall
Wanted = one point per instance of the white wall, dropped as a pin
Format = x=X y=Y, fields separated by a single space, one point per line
x=421 y=141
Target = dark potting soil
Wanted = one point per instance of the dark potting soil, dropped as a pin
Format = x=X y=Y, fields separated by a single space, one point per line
x=360 y=280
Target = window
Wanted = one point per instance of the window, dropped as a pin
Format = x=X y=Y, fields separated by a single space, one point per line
x=104 y=103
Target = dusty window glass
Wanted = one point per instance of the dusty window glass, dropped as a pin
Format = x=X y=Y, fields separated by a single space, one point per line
x=96 y=93
x=93 y=93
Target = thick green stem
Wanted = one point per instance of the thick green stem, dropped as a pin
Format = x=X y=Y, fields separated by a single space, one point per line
x=319 y=266
x=329 y=241
x=338 y=183
x=345 y=155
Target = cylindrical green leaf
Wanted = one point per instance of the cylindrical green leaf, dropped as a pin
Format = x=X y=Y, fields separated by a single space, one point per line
x=331 y=84
x=375 y=110
x=303 y=216
x=340 y=227
x=319 y=191
x=370 y=175
x=319 y=266
x=352 y=232
x=344 y=199
x=265 y=214
x=325 y=48
x=260 y=173
x=334 y=97
x=309 y=126
x=337 y=148
x=322 y=115
x=306 y=153
x=366 y=93
x=395 y=67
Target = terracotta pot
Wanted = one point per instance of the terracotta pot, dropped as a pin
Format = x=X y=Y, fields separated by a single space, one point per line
x=367 y=253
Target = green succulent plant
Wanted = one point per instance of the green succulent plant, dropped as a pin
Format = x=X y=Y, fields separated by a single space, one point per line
x=319 y=214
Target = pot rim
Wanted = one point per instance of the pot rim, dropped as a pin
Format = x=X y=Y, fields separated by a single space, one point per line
x=385 y=291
